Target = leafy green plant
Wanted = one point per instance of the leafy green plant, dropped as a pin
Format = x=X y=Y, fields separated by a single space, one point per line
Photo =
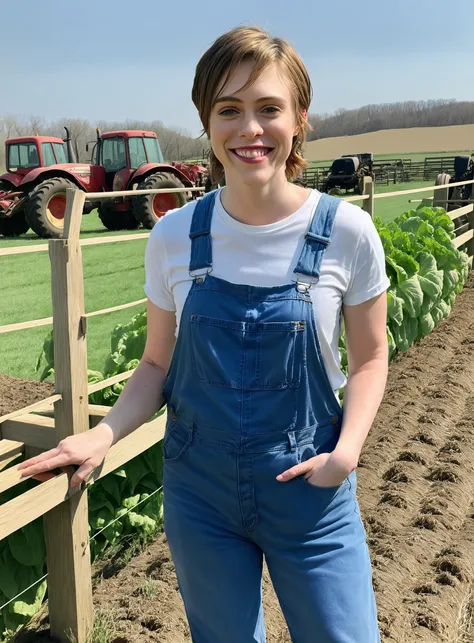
x=426 y=272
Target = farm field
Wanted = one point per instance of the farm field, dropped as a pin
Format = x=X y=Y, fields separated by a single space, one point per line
x=431 y=141
x=113 y=275
x=416 y=497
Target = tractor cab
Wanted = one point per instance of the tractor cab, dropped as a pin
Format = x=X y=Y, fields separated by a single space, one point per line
x=28 y=152
x=122 y=153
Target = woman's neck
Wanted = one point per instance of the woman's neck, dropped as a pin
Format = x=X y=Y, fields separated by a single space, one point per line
x=262 y=205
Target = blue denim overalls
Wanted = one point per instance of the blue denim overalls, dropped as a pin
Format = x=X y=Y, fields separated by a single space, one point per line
x=248 y=397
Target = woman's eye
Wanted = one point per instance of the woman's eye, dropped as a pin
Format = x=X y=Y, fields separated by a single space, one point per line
x=230 y=111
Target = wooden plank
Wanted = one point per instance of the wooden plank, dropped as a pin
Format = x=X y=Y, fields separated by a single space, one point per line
x=32 y=430
x=32 y=504
x=358 y=197
x=92 y=388
x=114 y=308
x=8 y=328
x=130 y=446
x=9 y=451
x=10 y=478
x=95 y=241
x=415 y=190
x=50 y=494
x=66 y=526
x=35 y=323
x=454 y=214
x=105 y=195
x=36 y=406
x=463 y=238
x=23 y=250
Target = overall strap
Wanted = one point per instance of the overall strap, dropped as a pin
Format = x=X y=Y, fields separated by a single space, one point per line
x=200 y=234
x=317 y=239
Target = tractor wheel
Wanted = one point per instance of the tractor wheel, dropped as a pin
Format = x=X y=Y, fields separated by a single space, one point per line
x=46 y=207
x=14 y=226
x=116 y=219
x=148 y=208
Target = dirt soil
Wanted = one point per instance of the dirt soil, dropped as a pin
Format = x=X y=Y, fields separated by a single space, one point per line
x=16 y=393
x=416 y=493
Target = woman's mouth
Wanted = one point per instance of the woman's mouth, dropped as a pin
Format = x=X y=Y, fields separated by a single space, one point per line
x=252 y=154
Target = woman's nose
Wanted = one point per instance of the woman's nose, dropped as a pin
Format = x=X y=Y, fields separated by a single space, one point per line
x=251 y=127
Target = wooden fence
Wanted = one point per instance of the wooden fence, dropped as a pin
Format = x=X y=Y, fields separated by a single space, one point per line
x=42 y=425
x=391 y=170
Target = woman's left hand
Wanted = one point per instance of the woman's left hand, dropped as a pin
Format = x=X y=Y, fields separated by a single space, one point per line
x=323 y=470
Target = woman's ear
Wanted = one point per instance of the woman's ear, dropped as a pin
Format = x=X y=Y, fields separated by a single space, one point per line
x=304 y=115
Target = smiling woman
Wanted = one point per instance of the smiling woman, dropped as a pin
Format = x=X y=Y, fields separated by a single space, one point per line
x=247 y=289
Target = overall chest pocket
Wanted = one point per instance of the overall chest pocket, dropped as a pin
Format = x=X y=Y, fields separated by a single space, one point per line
x=247 y=355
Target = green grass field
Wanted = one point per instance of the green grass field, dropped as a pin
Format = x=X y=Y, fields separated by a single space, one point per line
x=113 y=275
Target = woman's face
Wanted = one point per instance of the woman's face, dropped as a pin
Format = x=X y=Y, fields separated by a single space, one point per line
x=252 y=131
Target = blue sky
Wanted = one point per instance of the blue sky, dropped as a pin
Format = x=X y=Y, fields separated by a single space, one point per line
x=112 y=60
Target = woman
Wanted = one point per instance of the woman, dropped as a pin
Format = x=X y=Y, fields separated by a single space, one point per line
x=259 y=457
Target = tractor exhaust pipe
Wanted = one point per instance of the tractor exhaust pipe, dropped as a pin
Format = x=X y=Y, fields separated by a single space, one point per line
x=71 y=157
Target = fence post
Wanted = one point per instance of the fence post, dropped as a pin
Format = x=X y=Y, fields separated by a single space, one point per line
x=66 y=526
x=470 y=243
x=368 y=188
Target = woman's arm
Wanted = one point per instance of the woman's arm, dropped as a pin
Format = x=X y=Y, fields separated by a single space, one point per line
x=367 y=353
x=140 y=399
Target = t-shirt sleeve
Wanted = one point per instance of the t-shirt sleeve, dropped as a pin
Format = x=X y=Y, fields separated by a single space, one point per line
x=156 y=271
x=368 y=275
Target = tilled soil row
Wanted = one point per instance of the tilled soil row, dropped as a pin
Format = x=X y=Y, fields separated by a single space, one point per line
x=416 y=485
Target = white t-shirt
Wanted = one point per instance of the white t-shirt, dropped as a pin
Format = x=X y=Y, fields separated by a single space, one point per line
x=352 y=269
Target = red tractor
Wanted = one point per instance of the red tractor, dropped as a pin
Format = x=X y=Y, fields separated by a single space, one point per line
x=40 y=169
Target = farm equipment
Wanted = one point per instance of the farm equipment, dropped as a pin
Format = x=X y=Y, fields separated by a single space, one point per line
x=27 y=158
x=461 y=194
x=41 y=169
x=347 y=173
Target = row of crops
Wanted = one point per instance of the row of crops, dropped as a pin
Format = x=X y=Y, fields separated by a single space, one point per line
x=426 y=273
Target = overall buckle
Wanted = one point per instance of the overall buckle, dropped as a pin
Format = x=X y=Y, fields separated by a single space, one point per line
x=304 y=283
x=200 y=274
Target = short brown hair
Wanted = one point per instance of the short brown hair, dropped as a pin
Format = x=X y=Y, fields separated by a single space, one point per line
x=220 y=61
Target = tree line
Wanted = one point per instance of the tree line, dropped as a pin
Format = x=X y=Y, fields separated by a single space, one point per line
x=372 y=118
x=178 y=144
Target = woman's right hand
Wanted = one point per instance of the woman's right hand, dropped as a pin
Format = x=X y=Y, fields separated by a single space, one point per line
x=87 y=450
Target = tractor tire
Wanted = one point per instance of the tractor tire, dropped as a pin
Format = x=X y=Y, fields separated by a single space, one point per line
x=46 y=206
x=14 y=226
x=148 y=208
x=116 y=219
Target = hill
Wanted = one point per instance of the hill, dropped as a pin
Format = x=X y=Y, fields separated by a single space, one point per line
x=395 y=141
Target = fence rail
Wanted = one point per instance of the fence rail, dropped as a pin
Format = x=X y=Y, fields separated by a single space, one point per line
x=43 y=424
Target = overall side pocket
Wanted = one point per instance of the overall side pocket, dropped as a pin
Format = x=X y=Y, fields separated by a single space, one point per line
x=176 y=442
x=325 y=441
